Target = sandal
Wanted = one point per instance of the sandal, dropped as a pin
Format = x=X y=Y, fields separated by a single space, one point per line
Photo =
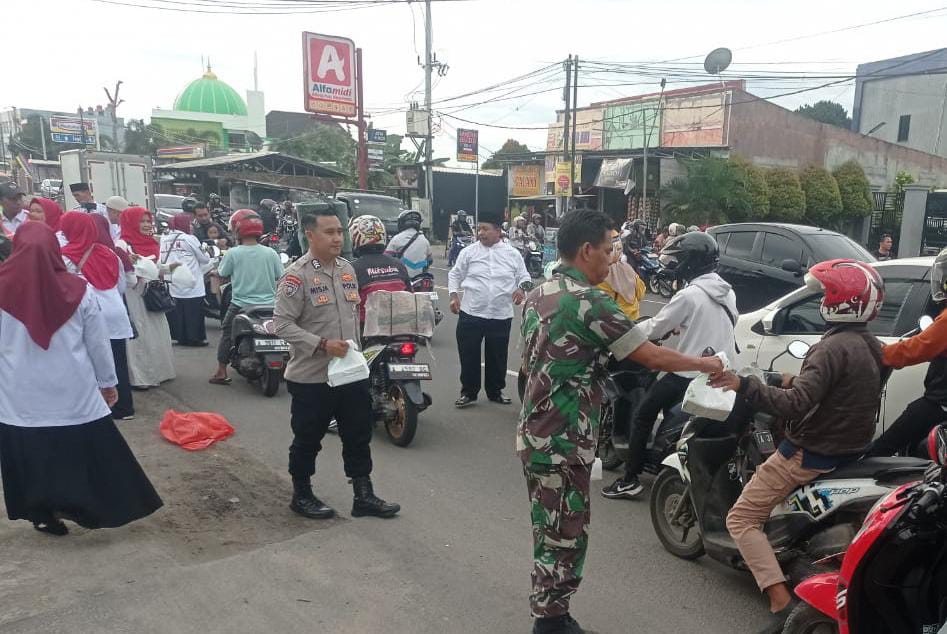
x=220 y=381
x=53 y=527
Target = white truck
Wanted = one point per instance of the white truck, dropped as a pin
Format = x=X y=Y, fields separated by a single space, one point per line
x=108 y=174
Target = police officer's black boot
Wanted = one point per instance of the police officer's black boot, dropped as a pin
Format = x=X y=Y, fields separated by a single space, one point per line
x=308 y=505
x=366 y=503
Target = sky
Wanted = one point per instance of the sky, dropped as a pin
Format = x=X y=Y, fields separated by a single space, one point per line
x=61 y=53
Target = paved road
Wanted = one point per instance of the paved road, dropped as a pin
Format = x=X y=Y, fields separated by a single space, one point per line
x=226 y=554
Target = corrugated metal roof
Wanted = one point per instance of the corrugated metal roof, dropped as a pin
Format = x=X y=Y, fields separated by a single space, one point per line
x=243 y=157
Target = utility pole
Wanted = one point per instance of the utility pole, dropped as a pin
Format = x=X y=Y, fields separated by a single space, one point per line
x=564 y=200
x=644 y=168
x=429 y=140
x=42 y=136
x=362 y=145
x=575 y=116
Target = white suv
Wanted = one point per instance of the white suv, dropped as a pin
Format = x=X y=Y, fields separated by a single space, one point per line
x=767 y=332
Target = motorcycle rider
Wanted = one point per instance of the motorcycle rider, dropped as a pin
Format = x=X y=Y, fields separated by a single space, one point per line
x=410 y=246
x=218 y=211
x=831 y=406
x=518 y=237
x=269 y=214
x=374 y=270
x=203 y=222
x=253 y=270
x=461 y=226
x=536 y=231
x=930 y=345
x=637 y=235
x=702 y=314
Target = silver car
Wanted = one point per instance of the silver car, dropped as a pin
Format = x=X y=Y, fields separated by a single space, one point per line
x=167 y=206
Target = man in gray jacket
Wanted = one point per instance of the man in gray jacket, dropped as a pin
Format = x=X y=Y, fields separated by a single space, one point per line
x=700 y=315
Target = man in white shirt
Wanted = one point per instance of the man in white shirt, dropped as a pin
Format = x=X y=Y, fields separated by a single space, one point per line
x=114 y=206
x=82 y=192
x=492 y=276
x=11 y=200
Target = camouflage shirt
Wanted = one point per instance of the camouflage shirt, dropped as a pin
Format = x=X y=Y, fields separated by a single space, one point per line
x=568 y=330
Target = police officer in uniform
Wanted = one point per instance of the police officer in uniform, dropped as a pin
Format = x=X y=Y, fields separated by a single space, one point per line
x=316 y=312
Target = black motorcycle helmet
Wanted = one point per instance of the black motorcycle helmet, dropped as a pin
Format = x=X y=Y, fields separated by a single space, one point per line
x=268 y=204
x=409 y=219
x=691 y=255
x=188 y=205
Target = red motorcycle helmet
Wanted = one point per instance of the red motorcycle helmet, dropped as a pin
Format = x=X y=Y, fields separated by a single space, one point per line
x=854 y=292
x=245 y=223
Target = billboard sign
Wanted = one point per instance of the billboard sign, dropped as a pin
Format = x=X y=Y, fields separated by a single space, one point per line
x=68 y=130
x=526 y=180
x=563 y=179
x=407 y=176
x=183 y=152
x=625 y=125
x=614 y=173
x=467 y=146
x=329 y=75
x=376 y=136
x=697 y=121
x=588 y=131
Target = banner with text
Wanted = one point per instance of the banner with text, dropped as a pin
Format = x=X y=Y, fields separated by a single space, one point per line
x=467 y=146
x=329 y=75
x=526 y=180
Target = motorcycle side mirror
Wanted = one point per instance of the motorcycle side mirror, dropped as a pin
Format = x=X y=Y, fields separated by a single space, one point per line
x=937 y=444
x=925 y=322
x=284 y=259
x=798 y=349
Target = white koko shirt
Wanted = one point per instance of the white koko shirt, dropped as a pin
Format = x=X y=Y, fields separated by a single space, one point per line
x=59 y=386
x=488 y=276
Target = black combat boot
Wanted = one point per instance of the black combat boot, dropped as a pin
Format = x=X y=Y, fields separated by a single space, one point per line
x=563 y=624
x=366 y=503
x=308 y=505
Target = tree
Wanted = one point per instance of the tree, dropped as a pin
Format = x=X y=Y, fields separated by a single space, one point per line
x=823 y=200
x=829 y=112
x=30 y=139
x=142 y=138
x=713 y=192
x=392 y=157
x=325 y=144
x=854 y=189
x=901 y=179
x=753 y=181
x=511 y=146
x=787 y=201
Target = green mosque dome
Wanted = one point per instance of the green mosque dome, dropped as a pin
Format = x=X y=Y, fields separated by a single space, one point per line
x=212 y=96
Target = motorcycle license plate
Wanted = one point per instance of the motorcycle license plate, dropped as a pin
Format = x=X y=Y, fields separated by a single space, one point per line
x=420 y=371
x=434 y=297
x=764 y=440
x=270 y=345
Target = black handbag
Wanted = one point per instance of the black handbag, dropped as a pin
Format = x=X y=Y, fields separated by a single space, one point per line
x=157 y=295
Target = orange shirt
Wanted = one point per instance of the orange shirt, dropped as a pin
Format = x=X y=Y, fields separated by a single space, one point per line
x=925 y=346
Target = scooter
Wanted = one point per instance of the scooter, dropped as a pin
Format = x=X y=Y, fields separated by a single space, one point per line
x=457 y=243
x=893 y=577
x=257 y=353
x=395 y=379
x=714 y=461
x=533 y=257
x=424 y=283
x=649 y=267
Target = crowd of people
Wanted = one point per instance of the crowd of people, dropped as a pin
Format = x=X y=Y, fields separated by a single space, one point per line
x=91 y=301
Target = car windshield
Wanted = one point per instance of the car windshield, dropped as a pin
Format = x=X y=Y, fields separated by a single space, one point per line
x=384 y=208
x=167 y=201
x=829 y=246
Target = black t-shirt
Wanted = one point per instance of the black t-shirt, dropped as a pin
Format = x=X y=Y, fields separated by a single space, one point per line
x=881 y=257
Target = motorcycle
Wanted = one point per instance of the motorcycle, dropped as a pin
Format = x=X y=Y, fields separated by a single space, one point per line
x=654 y=274
x=714 y=461
x=424 y=283
x=457 y=243
x=257 y=353
x=395 y=383
x=532 y=253
x=893 y=576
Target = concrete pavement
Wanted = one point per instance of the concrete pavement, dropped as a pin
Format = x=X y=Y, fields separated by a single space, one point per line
x=226 y=554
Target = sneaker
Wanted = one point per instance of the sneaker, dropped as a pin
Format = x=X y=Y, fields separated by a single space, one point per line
x=333 y=426
x=129 y=417
x=619 y=489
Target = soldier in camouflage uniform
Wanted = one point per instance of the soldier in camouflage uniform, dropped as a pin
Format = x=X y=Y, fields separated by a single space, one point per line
x=569 y=328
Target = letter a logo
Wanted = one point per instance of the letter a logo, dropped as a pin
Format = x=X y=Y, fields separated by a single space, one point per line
x=331 y=60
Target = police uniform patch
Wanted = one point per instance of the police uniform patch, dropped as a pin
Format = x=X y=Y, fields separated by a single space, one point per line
x=323 y=299
x=318 y=287
x=350 y=286
x=347 y=277
x=291 y=285
x=316 y=264
x=352 y=297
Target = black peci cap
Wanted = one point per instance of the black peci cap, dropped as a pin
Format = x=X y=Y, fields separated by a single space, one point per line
x=79 y=187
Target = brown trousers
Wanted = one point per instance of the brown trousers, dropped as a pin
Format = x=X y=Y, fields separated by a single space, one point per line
x=773 y=481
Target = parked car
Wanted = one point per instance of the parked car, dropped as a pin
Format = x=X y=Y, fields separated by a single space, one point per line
x=763 y=260
x=51 y=188
x=385 y=208
x=167 y=206
x=765 y=333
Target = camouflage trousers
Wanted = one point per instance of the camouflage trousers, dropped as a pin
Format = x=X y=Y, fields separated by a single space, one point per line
x=559 y=508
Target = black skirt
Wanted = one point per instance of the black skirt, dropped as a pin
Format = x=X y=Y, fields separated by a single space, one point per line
x=186 y=322
x=83 y=473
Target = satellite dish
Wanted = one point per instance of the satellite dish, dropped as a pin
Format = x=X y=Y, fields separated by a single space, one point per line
x=718 y=60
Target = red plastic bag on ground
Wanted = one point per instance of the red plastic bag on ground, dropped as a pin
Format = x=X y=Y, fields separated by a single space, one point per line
x=194 y=430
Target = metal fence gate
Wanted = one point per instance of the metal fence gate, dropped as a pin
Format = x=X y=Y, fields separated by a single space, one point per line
x=885 y=217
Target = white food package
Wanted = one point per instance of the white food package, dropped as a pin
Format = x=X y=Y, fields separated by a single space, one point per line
x=182 y=277
x=146 y=269
x=348 y=369
x=709 y=402
x=596 y=470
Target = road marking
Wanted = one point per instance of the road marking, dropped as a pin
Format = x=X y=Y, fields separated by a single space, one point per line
x=508 y=372
x=441 y=288
x=440 y=269
x=651 y=301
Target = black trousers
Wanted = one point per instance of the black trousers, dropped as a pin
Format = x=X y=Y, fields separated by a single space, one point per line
x=494 y=334
x=313 y=406
x=186 y=321
x=226 y=334
x=667 y=391
x=910 y=429
x=124 y=406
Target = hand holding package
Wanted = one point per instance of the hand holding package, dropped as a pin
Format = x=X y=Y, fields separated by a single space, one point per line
x=348 y=369
x=709 y=402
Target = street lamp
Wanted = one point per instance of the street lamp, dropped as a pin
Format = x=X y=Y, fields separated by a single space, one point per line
x=876 y=128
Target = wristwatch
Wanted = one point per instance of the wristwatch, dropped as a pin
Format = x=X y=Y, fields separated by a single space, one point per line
x=526 y=286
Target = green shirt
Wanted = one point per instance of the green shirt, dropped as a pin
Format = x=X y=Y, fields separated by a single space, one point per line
x=253 y=271
x=568 y=330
